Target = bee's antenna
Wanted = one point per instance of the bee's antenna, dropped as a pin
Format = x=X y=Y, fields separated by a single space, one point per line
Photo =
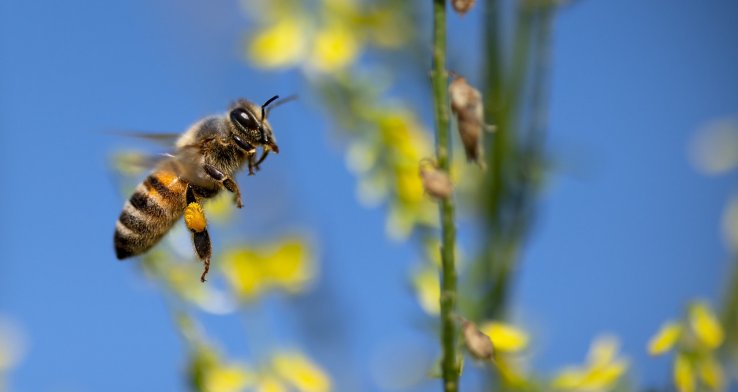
x=281 y=101
x=263 y=107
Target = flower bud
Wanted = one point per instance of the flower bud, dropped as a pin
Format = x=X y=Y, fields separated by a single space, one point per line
x=479 y=345
x=466 y=104
x=435 y=182
x=462 y=6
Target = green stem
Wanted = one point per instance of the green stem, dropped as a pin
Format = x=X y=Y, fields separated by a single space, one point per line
x=730 y=313
x=443 y=148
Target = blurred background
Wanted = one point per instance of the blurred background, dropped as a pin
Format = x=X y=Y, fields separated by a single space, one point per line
x=597 y=249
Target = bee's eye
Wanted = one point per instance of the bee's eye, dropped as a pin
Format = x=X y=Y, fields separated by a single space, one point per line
x=244 y=119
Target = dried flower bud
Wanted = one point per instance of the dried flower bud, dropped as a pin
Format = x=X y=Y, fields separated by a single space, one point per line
x=462 y=6
x=435 y=182
x=466 y=103
x=479 y=345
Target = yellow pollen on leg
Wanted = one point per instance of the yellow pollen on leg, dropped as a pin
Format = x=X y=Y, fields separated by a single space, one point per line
x=194 y=217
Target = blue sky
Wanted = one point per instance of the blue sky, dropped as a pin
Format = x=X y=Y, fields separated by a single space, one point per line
x=627 y=230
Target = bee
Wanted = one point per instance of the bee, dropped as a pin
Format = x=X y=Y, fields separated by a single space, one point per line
x=205 y=160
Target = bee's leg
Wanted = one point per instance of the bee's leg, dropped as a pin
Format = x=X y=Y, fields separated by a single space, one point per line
x=195 y=220
x=227 y=181
x=264 y=154
x=252 y=163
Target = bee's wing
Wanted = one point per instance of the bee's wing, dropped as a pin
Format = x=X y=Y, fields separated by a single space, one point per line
x=132 y=163
x=162 y=138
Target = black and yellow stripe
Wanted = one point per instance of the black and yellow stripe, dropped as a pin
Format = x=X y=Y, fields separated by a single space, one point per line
x=154 y=207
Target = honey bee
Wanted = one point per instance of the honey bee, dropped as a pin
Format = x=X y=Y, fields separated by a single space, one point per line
x=205 y=159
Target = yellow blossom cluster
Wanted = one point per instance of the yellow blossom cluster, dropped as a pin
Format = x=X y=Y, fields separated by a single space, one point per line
x=324 y=38
x=285 y=371
x=694 y=341
x=281 y=370
x=601 y=372
x=285 y=264
x=387 y=165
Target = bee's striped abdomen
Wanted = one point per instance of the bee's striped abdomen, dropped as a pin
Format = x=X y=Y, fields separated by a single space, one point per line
x=154 y=207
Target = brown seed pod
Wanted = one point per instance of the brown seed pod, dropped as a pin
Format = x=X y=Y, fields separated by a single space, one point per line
x=435 y=182
x=467 y=105
x=462 y=6
x=479 y=345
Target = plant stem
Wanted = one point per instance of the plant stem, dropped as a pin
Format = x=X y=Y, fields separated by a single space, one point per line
x=730 y=313
x=446 y=209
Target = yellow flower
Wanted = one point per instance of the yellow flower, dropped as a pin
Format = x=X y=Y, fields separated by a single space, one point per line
x=506 y=338
x=300 y=372
x=601 y=372
x=665 y=339
x=282 y=44
x=269 y=383
x=409 y=186
x=705 y=325
x=683 y=374
x=711 y=373
x=290 y=266
x=334 y=47
x=428 y=289
x=569 y=378
x=228 y=378
x=510 y=371
x=405 y=144
x=286 y=265
x=696 y=339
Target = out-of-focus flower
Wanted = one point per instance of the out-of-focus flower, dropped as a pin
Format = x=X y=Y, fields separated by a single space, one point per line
x=705 y=325
x=335 y=47
x=601 y=372
x=281 y=44
x=285 y=371
x=286 y=265
x=325 y=41
x=714 y=149
x=269 y=383
x=684 y=375
x=428 y=288
x=209 y=372
x=300 y=372
x=228 y=378
x=405 y=144
x=506 y=338
x=665 y=339
x=695 y=341
x=386 y=162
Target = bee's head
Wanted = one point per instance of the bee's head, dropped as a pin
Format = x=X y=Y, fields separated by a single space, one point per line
x=249 y=122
